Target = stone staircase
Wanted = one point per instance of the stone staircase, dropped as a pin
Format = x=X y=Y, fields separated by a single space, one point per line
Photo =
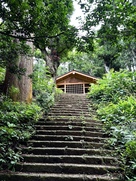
x=68 y=146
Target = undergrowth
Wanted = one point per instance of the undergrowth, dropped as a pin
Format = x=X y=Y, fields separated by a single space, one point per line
x=44 y=89
x=115 y=99
x=16 y=126
x=17 y=119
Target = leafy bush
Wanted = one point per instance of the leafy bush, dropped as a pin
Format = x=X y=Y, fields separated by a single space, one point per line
x=130 y=159
x=122 y=113
x=114 y=96
x=113 y=86
x=43 y=86
x=16 y=125
x=131 y=149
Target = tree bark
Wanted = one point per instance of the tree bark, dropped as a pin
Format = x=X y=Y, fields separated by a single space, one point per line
x=52 y=61
x=20 y=88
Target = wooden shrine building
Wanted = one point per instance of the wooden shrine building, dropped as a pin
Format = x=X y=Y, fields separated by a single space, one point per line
x=75 y=82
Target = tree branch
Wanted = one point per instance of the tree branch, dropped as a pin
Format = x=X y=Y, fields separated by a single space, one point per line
x=31 y=38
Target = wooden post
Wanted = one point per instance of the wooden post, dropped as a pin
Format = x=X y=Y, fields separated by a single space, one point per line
x=64 y=87
x=83 y=88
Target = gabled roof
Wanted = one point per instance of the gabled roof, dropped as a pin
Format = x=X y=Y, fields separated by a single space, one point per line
x=78 y=75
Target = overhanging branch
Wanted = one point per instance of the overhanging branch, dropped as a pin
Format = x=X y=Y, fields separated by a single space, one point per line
x=29 y=38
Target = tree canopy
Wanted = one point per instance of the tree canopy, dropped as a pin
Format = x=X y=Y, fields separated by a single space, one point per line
x=45 y=23
x=34 y=19
x=115 y=33
x=116 y=18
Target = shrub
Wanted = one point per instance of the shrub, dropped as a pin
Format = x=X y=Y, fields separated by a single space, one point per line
x=120 y=121
x=130 y=158
x=113 y=86
x=16 y=126
x=114 y=97
x=44 y=88
x=131 y=149
x=122 y=113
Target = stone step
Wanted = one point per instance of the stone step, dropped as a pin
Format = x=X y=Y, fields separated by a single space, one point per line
x=72 y=98
x=77 y=159
x=73 y=102
x=66 y=124
x=68 y=138
x=66 y=117
x=70 y=108
x=67 y=168
x=74 y=112
x=71 y=132
x=75 y=96
x=68 y=127
x=68 y=120
x=80 y=102
x=67 y=144
x=19 y=176
x=68 y=114
x=65 y=151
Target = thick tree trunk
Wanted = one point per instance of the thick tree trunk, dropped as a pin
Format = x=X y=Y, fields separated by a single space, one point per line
x=52 y=62
x=20 y=88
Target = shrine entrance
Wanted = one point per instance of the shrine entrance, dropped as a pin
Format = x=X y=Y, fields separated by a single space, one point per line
x=75 y=89
x=75 y=82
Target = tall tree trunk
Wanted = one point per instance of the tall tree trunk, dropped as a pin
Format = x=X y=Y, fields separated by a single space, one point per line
x=20 y=88
x=52 y=61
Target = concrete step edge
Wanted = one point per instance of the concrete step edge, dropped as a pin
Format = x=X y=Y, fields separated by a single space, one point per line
x=71 y=165
x=69 y=168
x=54 y=177
x=70 y=131
x=75 y=159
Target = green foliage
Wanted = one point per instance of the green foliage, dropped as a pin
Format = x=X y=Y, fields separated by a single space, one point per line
x=112 y=25
x=2 y=74
x=10 y=49
x=116 y=17
x=131 y=149
x=130 y=156
x=114 y=86
x=115 y=98
x=123 y=112
x=43 y=86
x=83 y=62
x=26 y=17
x=21 y=22
x=16 y=125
